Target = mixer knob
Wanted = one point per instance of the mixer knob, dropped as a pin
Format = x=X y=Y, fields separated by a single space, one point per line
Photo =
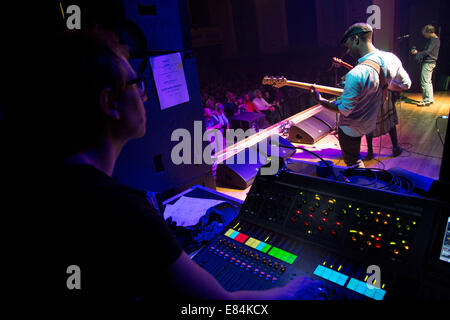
x=246 y=252
x=282 y=268
x=269 y=263
x=276 y=265
x=256 y=256
x=264 y=260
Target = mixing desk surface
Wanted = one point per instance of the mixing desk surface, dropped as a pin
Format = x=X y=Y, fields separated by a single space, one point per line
x=362 y=243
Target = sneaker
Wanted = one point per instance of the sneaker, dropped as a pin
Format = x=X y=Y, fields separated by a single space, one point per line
x=423 y=104
x=397 y=151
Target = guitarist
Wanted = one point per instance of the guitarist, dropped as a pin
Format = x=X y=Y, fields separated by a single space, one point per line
x=427 y=58
x=365 y=90
x=387 y=116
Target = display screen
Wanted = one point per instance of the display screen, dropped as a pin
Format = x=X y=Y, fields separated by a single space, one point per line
x=170 y=81
x=445 y=251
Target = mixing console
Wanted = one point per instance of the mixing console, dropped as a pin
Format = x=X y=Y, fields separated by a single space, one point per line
x=292 y=225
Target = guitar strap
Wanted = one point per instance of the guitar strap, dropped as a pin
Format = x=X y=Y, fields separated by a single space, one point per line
x=383 y=82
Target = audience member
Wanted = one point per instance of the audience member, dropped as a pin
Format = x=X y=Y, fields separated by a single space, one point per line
x=211 y=121
x=268 y=109
x=230 y=107
x=250 y=105
x=220 y=114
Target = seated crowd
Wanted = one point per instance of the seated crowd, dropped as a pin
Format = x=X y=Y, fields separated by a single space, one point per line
x=218 y=113
x=230 y=90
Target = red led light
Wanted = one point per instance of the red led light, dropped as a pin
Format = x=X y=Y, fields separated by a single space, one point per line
x=241 y=238
x=299 y=212
x=320 y=228
x=324 y=219
x=333 y=233
x=310 y=215
x=339 y=224
x=306 y=224
x=377 y=245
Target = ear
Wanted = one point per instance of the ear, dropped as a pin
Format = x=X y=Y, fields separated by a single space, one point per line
x=109 y=104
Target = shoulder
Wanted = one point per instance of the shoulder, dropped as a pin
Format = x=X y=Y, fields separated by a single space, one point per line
x=359 y=72
x=389 y=56
x=96 y=190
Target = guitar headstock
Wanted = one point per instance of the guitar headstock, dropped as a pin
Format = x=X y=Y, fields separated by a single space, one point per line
x=337 y=61
x=274 y=81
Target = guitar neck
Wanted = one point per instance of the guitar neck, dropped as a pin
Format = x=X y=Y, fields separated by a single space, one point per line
x=346 y=65
x=322 y=89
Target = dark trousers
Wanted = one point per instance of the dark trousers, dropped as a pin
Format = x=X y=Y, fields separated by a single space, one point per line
x=350 y=147
x=392 y=135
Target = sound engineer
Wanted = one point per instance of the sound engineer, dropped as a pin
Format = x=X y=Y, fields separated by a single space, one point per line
x=122 y=246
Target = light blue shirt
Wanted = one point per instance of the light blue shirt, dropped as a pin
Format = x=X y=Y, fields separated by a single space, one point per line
x=362 y=95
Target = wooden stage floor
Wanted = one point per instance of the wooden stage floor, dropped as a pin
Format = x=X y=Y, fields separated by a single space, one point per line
x=417 y=134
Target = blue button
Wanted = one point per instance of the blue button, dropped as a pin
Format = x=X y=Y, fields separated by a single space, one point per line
x=352 y=284
x=371 y=292
x=342 y=279
x=334 y=276
x=319 y=271
x=361 y=288
x=234 y=234
x=326 y=273
x=379 y=294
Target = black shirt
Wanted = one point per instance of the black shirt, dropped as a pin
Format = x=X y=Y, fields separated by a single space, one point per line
x=431 y=51
x=121 y=244
x=230 y=108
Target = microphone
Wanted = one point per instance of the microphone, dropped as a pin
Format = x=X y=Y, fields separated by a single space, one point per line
x=402 y=37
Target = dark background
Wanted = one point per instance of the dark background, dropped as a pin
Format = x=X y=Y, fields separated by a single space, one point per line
x=232 y=44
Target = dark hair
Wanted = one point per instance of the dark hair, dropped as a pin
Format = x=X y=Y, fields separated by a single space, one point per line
x=82 y=64
x=428 y=29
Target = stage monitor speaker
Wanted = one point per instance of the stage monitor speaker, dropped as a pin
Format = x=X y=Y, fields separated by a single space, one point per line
x=309 y=131
x=246 y=120
x=240 y=170
x=328 y=117
x=271 y=146
x=241 y=174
